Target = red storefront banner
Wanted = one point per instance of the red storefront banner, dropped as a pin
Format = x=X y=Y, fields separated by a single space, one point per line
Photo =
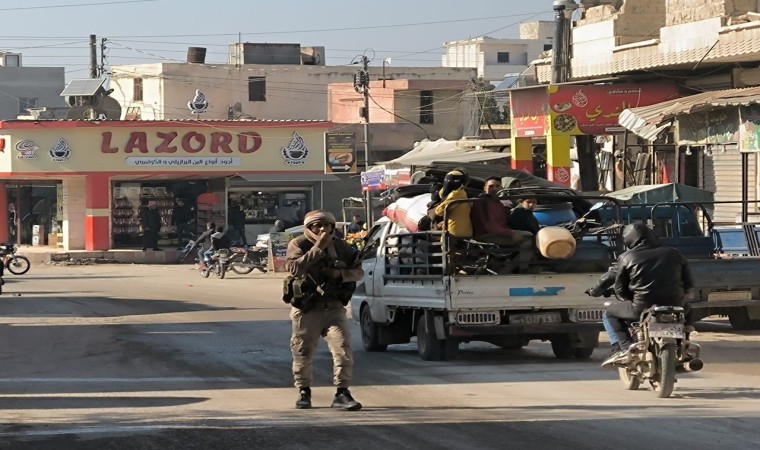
x=594 y=109
x=529 y=109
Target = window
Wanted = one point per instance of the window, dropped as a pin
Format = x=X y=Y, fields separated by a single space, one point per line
x=426 y=107
x=257 y=89
x=137 y=90
x=502 y=57
x=12 y=61
x=547 y=47
x=25 y=103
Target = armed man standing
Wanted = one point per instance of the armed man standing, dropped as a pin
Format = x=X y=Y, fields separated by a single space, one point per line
x=324 y=271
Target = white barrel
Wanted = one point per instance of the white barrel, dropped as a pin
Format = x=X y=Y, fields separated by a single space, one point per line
x=555 y=243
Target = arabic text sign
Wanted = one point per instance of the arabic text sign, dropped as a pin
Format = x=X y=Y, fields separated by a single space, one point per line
x=373 y=181
x=529 y=108
x=179 y=161
x=340 y=152
x=594 y=110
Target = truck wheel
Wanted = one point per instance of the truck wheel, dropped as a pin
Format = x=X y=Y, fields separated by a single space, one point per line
x=428 y=345
x=583 y=352
x=740 y=320
x=370 y=332
x=562 y=347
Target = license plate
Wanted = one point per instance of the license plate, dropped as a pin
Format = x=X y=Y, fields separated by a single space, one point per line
x=535 y=319
x=666 y=330
x=723 y=296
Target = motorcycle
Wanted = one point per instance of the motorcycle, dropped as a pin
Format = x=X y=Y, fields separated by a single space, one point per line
x=661 y=349
x=245 y=259
x=16 y=264
x=216 y=263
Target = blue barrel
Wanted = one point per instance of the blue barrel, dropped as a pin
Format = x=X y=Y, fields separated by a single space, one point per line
x=554 y=214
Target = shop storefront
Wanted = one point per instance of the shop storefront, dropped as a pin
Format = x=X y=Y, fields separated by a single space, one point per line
x=86 y=184
x=559 y=113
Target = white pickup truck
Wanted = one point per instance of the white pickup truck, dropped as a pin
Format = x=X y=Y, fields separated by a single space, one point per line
x=415 y=286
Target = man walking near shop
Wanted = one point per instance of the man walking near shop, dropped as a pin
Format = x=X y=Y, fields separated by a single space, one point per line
x=182 y=216
x=150 y=221
x=324 y=272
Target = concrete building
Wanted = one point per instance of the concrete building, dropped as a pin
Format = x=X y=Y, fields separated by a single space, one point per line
x=164 y=91
x=495 y=58
x=27 y=87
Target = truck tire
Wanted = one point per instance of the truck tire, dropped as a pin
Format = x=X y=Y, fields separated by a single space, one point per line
x=370 y=332
x=583 y=352
x=562 y=346
x=428 y=345
x=740 y=320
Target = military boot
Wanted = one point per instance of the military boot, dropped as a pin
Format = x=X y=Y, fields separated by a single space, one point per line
x=304 y=399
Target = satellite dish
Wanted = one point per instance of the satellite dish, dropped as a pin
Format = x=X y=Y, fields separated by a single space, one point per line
x=110 y=108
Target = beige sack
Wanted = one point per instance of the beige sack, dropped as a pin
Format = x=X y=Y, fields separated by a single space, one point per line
x=555 y=243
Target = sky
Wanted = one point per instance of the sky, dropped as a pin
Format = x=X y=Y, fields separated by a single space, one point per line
x=411 y=32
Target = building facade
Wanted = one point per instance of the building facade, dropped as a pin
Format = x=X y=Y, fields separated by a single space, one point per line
x=82 y=184
x=228 y=91
x=28 y=87
x=496 y=58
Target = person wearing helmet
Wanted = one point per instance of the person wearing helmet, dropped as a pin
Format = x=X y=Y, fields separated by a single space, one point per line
x=458 y=221
x=646 y=274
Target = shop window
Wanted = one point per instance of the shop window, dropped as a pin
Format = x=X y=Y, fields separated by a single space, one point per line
x=257 y=89
x=24 y=103
x=137 y=89
x=183 y=209
x=502 y=57
x=35 y=214
x=426 y=107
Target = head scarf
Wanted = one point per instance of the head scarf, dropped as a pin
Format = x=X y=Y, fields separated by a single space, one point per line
x=317 y=216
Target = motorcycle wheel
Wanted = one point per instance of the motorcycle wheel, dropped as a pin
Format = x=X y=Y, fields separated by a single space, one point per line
x=241 y=270
x=630 y=381
x=220 y=270
x=19 y=265
x=667 y=372
x=206 y=271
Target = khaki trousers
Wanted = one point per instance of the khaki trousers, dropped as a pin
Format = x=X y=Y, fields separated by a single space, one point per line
x=330 y=323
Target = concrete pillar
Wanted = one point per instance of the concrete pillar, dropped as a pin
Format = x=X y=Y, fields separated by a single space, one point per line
x=558 y=159
x=522 y=154
x=3 y=213
x=97 y=218
x=73 y=213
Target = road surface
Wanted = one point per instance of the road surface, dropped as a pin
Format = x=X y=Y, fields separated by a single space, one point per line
x=156 y=357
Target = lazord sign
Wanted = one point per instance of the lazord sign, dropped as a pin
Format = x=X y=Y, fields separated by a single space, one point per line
x=189 y=142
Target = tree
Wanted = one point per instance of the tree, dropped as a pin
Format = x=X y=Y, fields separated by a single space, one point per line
x=489 y=110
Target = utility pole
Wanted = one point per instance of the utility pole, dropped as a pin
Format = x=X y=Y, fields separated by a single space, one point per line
x=93 y=56
x=102 y=68
x=361 y=85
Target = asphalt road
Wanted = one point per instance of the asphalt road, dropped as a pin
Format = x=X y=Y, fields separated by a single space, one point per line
x=156 y=357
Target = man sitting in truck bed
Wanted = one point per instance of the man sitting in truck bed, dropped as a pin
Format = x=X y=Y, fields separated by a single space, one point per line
x=489 y=222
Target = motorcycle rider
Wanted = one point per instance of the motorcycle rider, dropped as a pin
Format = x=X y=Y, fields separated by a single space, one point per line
x=210 y=229
x=646 y=274
x=219 y=240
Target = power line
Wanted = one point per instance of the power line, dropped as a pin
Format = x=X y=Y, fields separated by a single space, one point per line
x=76 y=5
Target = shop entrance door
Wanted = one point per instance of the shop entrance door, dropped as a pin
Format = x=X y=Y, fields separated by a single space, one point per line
x=29 y=205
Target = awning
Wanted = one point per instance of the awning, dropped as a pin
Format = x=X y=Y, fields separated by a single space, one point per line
x=649 y=121
x=443 y=150
x=285 y=178
x=661 y=193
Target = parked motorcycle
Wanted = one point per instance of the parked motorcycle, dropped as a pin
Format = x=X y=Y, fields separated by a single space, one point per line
x=245 y=259
x=16 y=264
x=661 y=349
x=217 y=263
x=189 y=249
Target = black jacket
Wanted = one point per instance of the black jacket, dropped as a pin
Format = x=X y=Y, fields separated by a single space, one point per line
x=523 y=219
x=649 y=273
x=150 y=219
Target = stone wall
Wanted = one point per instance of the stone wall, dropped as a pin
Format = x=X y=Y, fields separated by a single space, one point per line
x=634 y=20
x=685 y=11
